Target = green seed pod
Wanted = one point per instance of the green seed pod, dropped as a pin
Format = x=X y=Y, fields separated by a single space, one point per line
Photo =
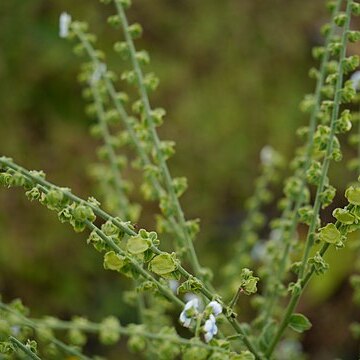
x=138 y=245
x=350 y=63
x=143 y=57
x=151 y=81
x=136 y=343
x=109 y=332
x=5 y=179
x=135 y=30
x=355 y=8
x=195 y=353
x=77 y=337
x=163 y=264
x=344 y=216
x=330 y=234
x=82 y=213
x=114 y=261
x=353 y=195
x=179 y=185
x=340 y=19
x=353 y=36
x=54 y=199
x=114 y=20
x=33 y=194
x=122 y=48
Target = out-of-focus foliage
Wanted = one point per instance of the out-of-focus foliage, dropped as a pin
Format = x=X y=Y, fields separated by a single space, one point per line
x=232 y=74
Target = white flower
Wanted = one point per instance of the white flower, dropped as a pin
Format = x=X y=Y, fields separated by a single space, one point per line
x=191 y=308
x=216 y=307
x=355 y=79
x=210 y=328
x=267 y=155
x=64 y=22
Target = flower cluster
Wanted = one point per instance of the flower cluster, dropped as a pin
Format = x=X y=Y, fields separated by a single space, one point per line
x=191 y=314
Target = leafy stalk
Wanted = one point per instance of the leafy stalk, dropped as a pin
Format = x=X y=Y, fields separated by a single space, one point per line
x=23 y=348
x=294 y=208
x=122 y=200
x=302 y=277
x=45 y=186
x=192 y=256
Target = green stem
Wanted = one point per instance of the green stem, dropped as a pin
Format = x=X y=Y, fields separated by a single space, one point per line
x=24 y=348
x=156 y=142
x=292 y=305
x=125 y=227
x=279 y=275
x=129 y=127
x=94 y=328
x=118 y=181
x=32 y=324
x=311 y=232
x=329 y=148
x=358 y=147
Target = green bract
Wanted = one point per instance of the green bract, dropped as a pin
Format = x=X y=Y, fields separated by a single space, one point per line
x=248 y=282
x=109 y=332
x=138 y=245
x=195 y=353
x=344 y=216
x=113 y=261
x=330 y=234
x=82 y=213
x=353 y=195
x=163 y=264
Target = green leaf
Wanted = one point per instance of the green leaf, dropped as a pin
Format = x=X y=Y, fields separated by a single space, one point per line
x=299 y=323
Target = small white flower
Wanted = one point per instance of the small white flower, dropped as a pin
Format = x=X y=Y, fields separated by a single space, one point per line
x=216 y=307
x=64 y=22
x=267 y=155
x=355 y=79
x=210 y=328
x=191 y=308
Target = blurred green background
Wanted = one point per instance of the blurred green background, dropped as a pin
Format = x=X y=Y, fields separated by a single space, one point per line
x=232 y=75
